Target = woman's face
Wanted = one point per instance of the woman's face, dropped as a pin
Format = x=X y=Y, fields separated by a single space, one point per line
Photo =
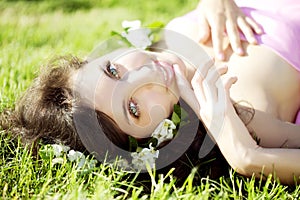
x=137 y=90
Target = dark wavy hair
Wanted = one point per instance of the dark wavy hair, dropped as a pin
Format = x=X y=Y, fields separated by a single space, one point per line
x=45 y=114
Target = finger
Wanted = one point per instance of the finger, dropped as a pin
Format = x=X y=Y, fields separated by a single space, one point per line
x=203 y=70
x=223 y=70
x=198 y=78
x=209 y=85
x=217 y=33
x=180 y=76
x=254 y=25
x=186 y=92
x=224 y=86
x=230 y=81
x=204 y=30
x=213 y=76
x=234 y=37
x=197 y=85
x=247 y=30
x=216 y=75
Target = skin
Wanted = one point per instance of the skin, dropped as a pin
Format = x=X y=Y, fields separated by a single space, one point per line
x=215 y=17
x=276 y=100
x=141 y=81
x=268 y=84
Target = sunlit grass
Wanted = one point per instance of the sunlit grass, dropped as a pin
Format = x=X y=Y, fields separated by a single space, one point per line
x=24 y=177
x=31 y=32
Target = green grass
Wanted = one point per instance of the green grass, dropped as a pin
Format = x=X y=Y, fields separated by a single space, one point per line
x=31 y=32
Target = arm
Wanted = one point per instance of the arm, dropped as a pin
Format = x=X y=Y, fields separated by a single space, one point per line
x=230 y=133
x=246 y=157
x=273 y=132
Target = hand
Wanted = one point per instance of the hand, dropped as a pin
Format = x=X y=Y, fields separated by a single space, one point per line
x=212 y=94
x=217 y=16
x=185 y=89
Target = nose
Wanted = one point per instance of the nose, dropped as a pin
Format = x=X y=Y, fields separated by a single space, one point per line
x=143 y=74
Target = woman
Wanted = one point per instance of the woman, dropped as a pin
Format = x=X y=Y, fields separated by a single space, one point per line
x=47 y=109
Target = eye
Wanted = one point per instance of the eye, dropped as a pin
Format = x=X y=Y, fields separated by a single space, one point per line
x=133 y=108
x=112 y=70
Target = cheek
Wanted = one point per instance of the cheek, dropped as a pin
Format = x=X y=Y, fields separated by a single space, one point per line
x=155 y=104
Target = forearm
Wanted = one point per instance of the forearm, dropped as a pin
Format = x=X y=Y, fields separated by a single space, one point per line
x=282 y=163
x=247 y=158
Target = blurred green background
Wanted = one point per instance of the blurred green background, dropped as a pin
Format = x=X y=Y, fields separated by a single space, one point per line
x=31 y=32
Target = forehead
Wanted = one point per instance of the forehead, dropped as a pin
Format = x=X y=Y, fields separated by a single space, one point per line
x=119 y=55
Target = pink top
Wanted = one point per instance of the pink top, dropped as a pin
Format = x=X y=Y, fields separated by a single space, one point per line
x=280 y=21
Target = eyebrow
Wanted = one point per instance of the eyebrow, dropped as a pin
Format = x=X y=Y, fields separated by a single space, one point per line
x=124 y=106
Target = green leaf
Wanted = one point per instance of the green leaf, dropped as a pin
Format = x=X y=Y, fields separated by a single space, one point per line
x=156 y=24
x=177 y=109
x=114 y=33
x=133 y=144
x=184 y=115
x=154 y=142
x=175 y=118
x=176 y=114
x=119 y=35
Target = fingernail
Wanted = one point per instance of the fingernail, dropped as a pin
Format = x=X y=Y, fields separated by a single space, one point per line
x=235 y=79
x=175 y=66
x=220 y=56
x=240 y=51
x=259 y=31
x=253 y=41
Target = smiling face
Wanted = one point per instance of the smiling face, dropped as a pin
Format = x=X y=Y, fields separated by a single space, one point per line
x=137 y=90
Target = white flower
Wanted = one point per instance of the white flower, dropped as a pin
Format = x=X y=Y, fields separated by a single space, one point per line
x=92 y=163
x=57 y=160
x=58 y=149
x=164 y=131
x=135 y=24
x=81 y=162
x=77 y=156
x=122 y=163
x=146 y=156
x=74 y=155
x=137 y=36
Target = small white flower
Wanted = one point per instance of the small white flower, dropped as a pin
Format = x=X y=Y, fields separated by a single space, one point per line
x=59 y=149
x=146 y=156
x=92 y=163
x=77 y=156
x=137 y=36
x=57 y=160
x=81 y=162
x=135 y=24
x=122 y=163
x=74 y=155
x=164 y=131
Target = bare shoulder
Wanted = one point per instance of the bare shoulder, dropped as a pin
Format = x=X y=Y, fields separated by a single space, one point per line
x=184 y=26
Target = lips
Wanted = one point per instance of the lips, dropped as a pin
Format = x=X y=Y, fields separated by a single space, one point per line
x=167 y=70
